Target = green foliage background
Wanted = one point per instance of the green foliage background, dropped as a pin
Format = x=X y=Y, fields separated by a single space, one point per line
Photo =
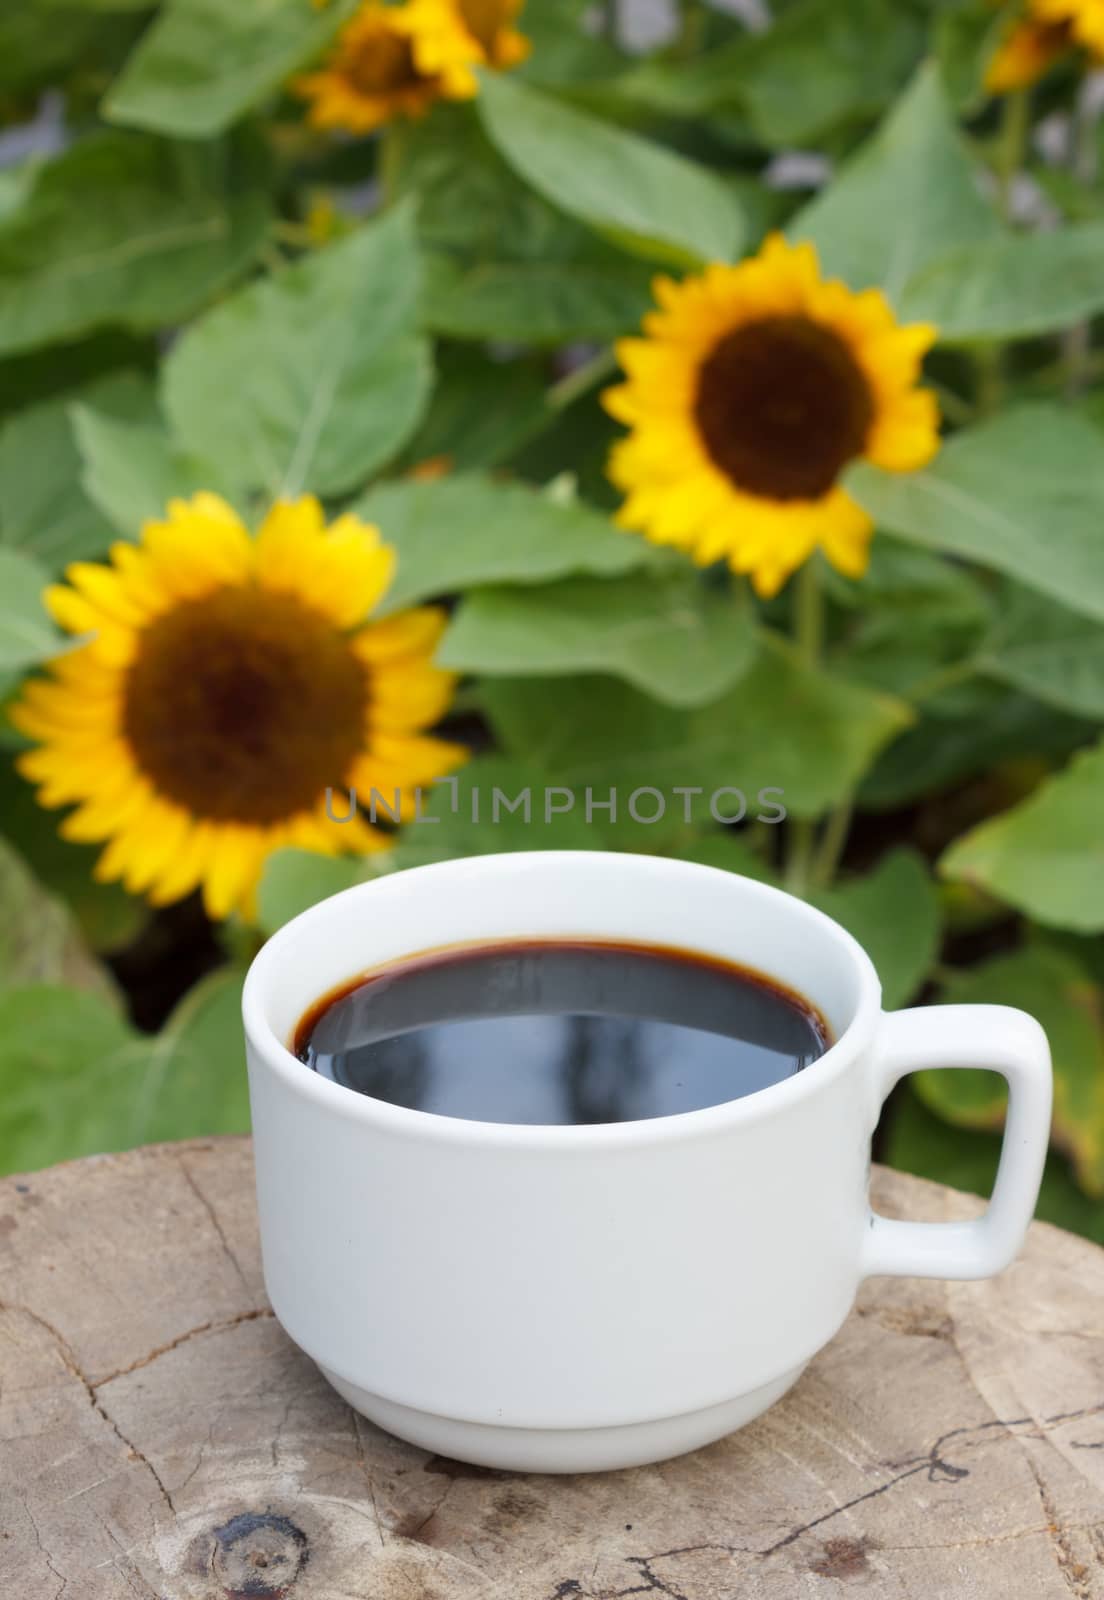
x=173 y=316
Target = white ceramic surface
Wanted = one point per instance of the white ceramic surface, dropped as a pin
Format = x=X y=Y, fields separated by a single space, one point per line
x=573 y=1298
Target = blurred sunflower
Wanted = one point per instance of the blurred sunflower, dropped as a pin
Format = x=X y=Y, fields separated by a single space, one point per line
x=376 y=71
x=226 y=684
x=1043 y=31
x=752 y=390
x=394 y=61
x=487 y=26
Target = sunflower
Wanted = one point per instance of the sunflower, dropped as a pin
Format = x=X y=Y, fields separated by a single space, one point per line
x=1083 y=18
x=487 y=26
x=376 y=71
x=229 y=697
x=1044 y=31
x=752 y=390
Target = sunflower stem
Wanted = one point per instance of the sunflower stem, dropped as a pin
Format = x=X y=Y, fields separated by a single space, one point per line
x=1076 y=344
x=389 y=160
x=581 y=380
x=808 y=633
x=808 y=620
x=692 y=31
x=1011 y=148
x=800 y=848
x=832 y=843
x=989 y=367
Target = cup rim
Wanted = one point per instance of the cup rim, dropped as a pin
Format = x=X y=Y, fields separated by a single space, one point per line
x=337 y=1098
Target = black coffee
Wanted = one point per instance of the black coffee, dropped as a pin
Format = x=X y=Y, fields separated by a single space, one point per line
x=560 y=1032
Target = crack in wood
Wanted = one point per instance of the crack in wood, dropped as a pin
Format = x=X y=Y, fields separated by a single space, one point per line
x=191 y=1333
x=64 y=1582
x=72 y=1365
x=1075 y=1573
x=212 y=1215
x=932 y=1461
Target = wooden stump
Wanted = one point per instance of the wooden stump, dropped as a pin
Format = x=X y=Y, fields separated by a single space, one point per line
x=161 y=1437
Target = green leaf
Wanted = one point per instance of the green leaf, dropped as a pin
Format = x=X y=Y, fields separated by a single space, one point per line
x=894 y=914
x=645 y=197
x=943 y=750
x=44 y=510
x=312 y=379
x=203 y=63
x=494 y=805
x=1048 y=652
x=482 y=410
x=502 y=263
x=1021 y=494
x=484 y=812
x=471 y=204
x=128 y=232
x=965 y=38
x=26 y=633
x=919 y=1141
x=669 y=636
x=461 y=532
x=107 y=916
x=294 y=880
x=1045 y=856
x=910 y=195
x=728 y=851
x=38 y=376
x=131 y=470
x=194 y=1081
x=820 y=64
x=809 y=734
x=914 y=614
x=1010 y=288
x=1054 y=988
x=914 y=585
x=39 y=938
x=534 y=304
x=70 y=1070
x=76 y=1079
x=47 y=46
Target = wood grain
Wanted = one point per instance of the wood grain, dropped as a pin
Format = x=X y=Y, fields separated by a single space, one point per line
x=161 y=1437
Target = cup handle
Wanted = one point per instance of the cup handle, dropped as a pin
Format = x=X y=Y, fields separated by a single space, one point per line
x=1006 y=1041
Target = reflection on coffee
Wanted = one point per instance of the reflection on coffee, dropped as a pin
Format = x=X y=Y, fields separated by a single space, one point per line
x=564 y=1031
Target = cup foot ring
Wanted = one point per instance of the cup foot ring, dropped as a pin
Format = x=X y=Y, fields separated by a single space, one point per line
x=512 y=1449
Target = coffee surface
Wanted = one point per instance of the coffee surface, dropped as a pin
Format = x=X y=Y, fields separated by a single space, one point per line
x=563 y=1031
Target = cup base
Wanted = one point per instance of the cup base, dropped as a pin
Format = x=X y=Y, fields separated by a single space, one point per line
x=634 y=1444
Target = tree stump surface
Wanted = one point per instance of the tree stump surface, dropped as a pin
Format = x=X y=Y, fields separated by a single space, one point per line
x=161 y=1437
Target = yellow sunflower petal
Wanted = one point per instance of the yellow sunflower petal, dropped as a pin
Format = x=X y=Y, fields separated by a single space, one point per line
x=753 y=388
x=390 y=62
x=408 y=695
x=201 y=544
x=223 y=694
x=342 y=571
x=233 y=866
x=906 y=436
x=415 y=632
x=1030 y=46
x=185 y=873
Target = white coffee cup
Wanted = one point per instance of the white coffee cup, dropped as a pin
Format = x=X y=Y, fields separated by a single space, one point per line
x=572 y=1298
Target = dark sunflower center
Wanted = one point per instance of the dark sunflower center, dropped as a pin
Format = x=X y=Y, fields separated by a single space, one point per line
x=383 y=63
x=783 y=406
x=243 y=706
